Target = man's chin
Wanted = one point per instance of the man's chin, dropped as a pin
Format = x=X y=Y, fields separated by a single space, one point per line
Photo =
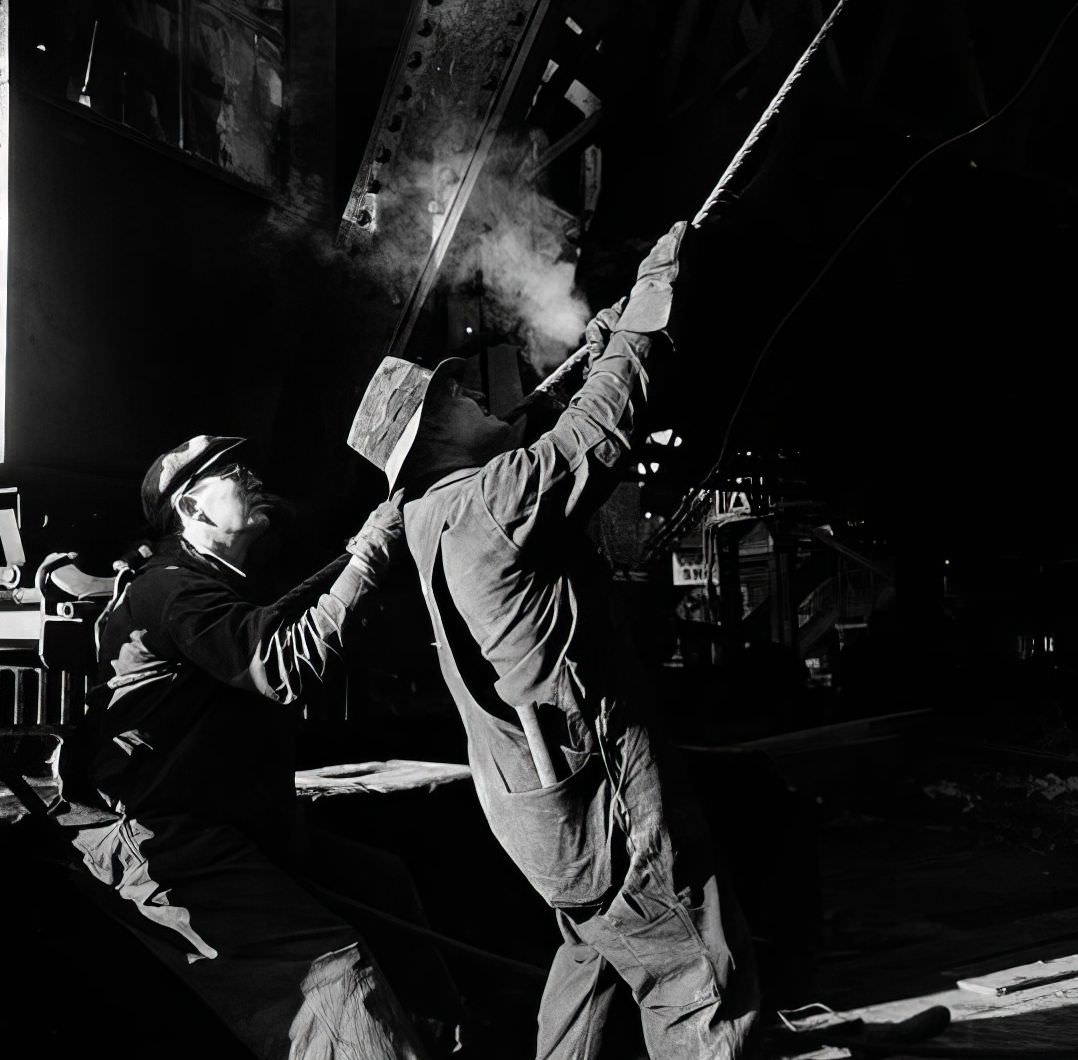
x=270 y=509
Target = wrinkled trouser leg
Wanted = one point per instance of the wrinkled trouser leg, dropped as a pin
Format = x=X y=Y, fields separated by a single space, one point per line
x=576 y=999
x=669 y=954
x=288 y=977
x=673 y=932
x=689 y=1002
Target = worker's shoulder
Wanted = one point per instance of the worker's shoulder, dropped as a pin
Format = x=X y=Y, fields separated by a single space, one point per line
x=173 y=571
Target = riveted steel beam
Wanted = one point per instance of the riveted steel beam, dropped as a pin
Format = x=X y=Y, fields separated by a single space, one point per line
x=449 y=89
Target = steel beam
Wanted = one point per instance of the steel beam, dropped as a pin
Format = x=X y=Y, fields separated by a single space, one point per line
x=450 y=86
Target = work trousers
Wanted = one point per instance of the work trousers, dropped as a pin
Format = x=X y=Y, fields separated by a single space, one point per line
x=287 y=975
x=673 y=932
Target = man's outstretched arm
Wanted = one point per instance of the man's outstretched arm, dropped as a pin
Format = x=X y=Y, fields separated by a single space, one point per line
x=571 y=469
x=273 y=650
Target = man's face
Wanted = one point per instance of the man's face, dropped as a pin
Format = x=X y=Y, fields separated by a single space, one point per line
x=230 y=498
x=458 y=417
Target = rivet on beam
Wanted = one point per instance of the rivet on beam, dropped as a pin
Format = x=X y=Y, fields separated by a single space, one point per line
x=395 y=123
x=415 y=61
x=383 y=154
x=363 y=218
x=426 y=28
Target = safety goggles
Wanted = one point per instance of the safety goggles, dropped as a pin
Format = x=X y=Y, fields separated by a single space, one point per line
x=242 y=474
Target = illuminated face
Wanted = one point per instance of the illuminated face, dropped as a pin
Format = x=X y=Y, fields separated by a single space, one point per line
x=231 y=500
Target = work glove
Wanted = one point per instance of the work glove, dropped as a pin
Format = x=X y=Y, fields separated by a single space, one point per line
x=598 y=330
x=381 y=540
x=648 y=308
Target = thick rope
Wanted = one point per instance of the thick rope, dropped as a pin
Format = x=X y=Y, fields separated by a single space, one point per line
x=771 y=110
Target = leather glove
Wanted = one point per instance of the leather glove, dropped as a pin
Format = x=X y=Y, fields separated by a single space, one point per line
x=381 y=540
x=598 y=330
x=648 y=309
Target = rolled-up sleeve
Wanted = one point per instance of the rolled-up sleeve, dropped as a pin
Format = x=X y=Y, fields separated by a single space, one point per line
x=571 y=469
x=271 y=650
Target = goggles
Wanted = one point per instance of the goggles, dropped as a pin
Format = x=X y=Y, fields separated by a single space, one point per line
x=243 y=476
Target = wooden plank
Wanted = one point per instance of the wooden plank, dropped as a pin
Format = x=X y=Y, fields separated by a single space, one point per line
x=1023 y=977
x=396 y=774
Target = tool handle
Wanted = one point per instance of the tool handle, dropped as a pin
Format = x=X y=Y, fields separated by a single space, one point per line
x=563 y=369
x=529 y=722
x=557 y=388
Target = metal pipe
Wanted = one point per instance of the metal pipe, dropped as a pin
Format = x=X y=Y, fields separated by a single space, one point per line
x=19 y=708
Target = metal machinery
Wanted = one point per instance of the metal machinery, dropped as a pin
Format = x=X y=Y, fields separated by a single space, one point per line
x=767 y=567
x=47 y=630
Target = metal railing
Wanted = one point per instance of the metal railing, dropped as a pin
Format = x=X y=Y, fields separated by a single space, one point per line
x=32 y=696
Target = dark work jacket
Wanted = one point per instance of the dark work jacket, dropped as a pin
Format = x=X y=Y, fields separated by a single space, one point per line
x=517 y=597
x=193 y=710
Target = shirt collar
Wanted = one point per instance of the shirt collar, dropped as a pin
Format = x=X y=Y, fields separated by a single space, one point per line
x=206 y=554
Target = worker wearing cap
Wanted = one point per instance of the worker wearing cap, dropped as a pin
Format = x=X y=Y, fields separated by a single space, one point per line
x=517 y=598
x=191 y=744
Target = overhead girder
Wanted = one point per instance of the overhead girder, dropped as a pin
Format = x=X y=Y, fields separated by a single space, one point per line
x=448 y=92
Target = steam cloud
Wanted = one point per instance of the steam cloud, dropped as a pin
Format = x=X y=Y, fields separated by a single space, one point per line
x=512 y=238
x=528 y=277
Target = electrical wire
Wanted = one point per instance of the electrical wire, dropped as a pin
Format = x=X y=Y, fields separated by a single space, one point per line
x=684 y=510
